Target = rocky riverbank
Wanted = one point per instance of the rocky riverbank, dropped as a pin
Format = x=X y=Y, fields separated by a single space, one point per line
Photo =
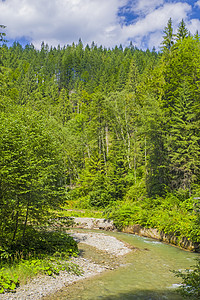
x=94 y=223
x=103 y=224
x=42 y=286
x=171 y=239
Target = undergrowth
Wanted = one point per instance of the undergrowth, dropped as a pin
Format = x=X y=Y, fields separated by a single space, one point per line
x=21 y=273
x=170 y=215
x=190 y=285
x=75 y=211
x=43 y=252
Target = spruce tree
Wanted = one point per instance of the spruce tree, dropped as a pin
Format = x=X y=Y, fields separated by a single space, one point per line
x=182 y=31
x=184 y=141
x=168 y=38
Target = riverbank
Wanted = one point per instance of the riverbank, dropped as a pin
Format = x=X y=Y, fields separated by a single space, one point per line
x=171 y=239
x=111 y=250
x=108 y=225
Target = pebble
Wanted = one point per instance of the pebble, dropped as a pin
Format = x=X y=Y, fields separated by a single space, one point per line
x=103 y=242
x=42 y=286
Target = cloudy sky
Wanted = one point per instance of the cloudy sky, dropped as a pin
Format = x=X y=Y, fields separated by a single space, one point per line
x=106 y=22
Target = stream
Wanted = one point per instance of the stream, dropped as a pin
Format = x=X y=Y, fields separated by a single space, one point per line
x=143 y=273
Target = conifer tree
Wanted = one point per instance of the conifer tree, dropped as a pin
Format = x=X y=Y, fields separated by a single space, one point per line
x=31 y=171
x=168 y=38
x=182 y=31
x=184 y=141
x=180 y=104
x=133 y=77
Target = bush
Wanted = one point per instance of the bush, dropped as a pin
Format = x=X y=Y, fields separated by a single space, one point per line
x=44 y=252
x=39 y=244
x=171 y=214
x=190 y=286
x=8 y=282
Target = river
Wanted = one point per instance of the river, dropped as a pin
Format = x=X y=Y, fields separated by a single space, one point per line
x=144 y=274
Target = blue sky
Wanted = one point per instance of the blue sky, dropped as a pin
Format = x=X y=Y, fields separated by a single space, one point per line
x=106 y=22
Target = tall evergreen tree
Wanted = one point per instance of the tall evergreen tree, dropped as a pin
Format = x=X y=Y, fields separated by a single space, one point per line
x=184 y=141
x=168 y=38
x=182 y=31
x=180 y=104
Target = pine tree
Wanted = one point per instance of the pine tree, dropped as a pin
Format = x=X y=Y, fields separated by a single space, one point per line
x=184 y=141
x=2 y=39
x=31 y=171
x=182 y=31
x=133 y=77
x=181 y=107
x=168 y=38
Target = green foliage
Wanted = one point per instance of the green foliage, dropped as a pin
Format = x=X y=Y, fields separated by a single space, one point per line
x=168 y=38
x=49 y=267
x=37 y=244
x=74 y=212
x=8 y=283
x=31 y=174
x=182 y=31
x=171 y=214
x=10 y=279
x=2 y=34
x=43 y=252
x=107 y=128
x=124 y=214
x=190 y=287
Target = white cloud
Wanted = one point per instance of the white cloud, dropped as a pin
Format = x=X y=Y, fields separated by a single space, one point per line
x=197 y=3
x=146 y=6
x=152 y=24
x=65 y=21
x=62 y=20
x=193 y=25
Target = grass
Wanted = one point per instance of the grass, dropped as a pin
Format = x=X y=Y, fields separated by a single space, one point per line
x=46 y=250
x=21 y=273
x=44 y=253
x=70 y=211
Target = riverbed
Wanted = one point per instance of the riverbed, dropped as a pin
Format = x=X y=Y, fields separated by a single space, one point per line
x=143 y=273
x=115 y=266
x=99 y=252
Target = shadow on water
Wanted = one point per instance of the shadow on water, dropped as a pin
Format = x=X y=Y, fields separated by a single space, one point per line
x=135 y=295
x=142 y=295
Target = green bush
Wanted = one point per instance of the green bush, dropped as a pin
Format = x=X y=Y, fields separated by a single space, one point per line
x=190 y=286
x=8 y=282
x=45 y=252
x=38 y=244
x=172 y=214
x=25 y=269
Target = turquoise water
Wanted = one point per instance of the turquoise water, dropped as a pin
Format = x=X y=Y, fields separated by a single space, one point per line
x=146 y=274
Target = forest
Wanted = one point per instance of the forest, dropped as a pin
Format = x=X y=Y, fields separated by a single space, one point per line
x=95 y=128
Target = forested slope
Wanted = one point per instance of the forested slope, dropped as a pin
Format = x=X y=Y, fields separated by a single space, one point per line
x=116 y=129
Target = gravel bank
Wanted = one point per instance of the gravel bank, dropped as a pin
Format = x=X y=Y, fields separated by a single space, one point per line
x=102 y=242
x=46 y=285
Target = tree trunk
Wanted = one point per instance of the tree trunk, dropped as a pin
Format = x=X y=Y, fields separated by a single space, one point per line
x=26 y=219
x=107 y=141
x=16 y=221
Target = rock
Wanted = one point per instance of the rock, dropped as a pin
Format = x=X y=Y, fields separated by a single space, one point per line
x=93 y=223
x=161 y=236
x=102 y=242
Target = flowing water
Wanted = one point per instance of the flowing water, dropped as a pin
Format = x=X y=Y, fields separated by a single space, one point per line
x=145 y=274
